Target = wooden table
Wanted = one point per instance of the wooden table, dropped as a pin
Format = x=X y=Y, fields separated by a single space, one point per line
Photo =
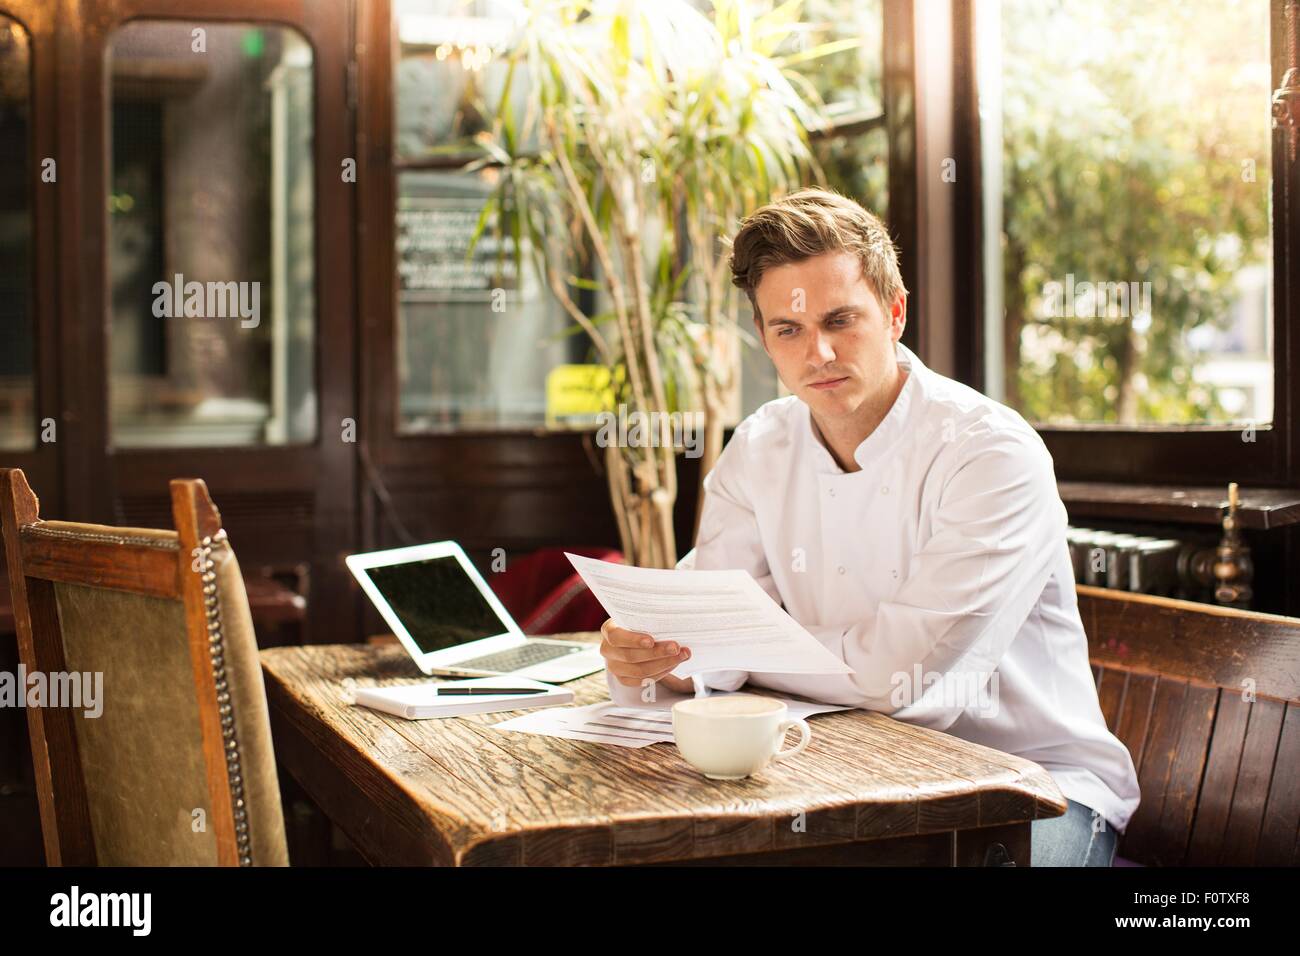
x=453 y=791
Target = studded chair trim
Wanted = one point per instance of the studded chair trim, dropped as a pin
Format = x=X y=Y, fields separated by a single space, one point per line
x=217 y=657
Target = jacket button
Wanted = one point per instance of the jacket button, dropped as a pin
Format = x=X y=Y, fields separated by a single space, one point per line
x=841 y=569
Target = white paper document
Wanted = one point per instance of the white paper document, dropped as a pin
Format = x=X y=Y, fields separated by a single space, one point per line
x=610 y=723
x=727 y=620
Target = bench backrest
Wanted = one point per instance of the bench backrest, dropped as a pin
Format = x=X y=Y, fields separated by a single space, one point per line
x=1207 y=700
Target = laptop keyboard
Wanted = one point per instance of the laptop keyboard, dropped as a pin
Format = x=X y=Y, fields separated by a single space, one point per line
x=517 y=658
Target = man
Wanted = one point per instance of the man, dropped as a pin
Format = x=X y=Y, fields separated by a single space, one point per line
x=909 y=523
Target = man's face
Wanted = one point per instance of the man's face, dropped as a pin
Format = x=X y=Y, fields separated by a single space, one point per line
x=831 y=341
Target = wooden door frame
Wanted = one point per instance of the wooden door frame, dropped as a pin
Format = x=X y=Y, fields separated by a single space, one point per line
x=324 y=469
x=43 y=460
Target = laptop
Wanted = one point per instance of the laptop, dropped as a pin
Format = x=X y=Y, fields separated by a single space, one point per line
x=451 y=623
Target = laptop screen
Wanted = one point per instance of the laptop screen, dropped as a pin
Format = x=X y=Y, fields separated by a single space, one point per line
x=437 y=602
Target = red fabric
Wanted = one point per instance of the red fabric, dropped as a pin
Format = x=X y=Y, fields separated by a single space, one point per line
x=545 y=595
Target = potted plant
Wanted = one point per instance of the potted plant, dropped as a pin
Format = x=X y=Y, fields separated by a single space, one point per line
x=629 y=138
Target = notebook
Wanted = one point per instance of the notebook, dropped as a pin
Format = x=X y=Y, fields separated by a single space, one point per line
x=418 y=701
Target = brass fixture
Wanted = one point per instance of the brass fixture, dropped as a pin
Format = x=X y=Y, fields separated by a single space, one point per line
x=1286 y=98
x=1233 y=568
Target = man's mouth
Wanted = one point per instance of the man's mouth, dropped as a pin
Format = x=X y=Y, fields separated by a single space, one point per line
x=830 y=383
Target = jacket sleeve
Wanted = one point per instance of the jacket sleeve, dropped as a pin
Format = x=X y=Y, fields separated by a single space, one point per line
x=928 y=653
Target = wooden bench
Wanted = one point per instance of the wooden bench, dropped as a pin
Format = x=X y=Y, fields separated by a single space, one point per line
x=1207 y=700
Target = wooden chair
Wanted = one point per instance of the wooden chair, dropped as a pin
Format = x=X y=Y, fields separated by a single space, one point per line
x=178 y=768
x=1207 y=700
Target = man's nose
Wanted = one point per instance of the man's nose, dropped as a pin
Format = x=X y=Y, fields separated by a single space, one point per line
x=819 y=350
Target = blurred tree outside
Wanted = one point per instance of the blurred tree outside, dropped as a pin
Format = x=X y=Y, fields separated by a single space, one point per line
x=855 y=163
x=1135 y=149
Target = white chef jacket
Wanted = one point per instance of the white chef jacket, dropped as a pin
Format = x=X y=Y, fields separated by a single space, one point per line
x=939 y=568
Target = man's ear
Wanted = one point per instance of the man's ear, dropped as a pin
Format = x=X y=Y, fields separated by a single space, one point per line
x=898 y=316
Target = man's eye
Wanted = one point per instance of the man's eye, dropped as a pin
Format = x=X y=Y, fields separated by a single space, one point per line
x=784 y=330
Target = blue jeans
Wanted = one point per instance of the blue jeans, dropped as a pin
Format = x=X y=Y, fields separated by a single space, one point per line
x=1071 y=840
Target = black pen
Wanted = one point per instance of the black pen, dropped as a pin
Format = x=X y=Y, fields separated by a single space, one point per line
x=444 y=691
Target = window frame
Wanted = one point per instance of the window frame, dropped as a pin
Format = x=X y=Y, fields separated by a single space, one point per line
x=290 y=506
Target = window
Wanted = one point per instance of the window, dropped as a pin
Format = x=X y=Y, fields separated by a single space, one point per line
x=475 y=338
x=211 y=257
x=17 y=389
x=465 y=360
x=464 y=364
x=1128 y=259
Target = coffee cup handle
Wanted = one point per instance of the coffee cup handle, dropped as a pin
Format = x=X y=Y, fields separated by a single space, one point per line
x=805 y=737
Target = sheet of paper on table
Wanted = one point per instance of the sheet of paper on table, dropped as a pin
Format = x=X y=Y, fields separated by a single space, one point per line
x=610 y=723
x=727 y=620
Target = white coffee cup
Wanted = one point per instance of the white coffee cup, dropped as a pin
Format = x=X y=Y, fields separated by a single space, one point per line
x=730 y=736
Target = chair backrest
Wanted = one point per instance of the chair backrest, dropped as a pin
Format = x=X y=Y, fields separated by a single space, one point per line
x=1207 y=700
x=173 y=764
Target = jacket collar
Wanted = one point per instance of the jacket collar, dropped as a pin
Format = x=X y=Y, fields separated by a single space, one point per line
x=895 y=426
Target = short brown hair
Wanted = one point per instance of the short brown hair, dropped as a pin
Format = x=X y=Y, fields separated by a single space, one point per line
x=808 y=223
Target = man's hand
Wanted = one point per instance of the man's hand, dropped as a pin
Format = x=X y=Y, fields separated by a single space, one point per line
x=633 y=658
